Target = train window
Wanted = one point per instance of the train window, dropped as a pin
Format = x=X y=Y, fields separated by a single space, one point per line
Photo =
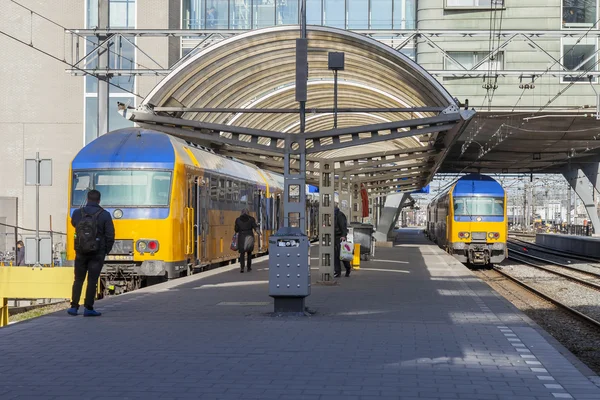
x=236 y=191
x=81 y=185
x=122 y=188
x=228 y=191
x=221 y=189
x=250 y=194
x=485 y=206
x=243 y=193
x=214 y=190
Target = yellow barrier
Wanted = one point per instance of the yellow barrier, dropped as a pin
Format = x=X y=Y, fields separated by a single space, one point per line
x=34 y=283
x=356 y=260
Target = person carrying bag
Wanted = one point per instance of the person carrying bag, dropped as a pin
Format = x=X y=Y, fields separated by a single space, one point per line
x=245 y=226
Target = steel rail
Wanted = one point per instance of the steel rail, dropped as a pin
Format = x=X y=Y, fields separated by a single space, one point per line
x=567 y=276
x=549 y=298
x=546 y=249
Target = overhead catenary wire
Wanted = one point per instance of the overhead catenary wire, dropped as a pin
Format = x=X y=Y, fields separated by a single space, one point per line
x=67 y=63
x=74 y=66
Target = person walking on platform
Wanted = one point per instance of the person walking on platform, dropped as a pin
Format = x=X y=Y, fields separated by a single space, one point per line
x=94 y=239
x=245 y=225
x=20 y=256
x=340 y=234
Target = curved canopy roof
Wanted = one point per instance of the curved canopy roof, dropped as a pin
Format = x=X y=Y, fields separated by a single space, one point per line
x=257 y=70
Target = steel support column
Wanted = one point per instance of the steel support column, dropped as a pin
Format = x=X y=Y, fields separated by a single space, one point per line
x=581 y=184
x=592 y=171
x=344 y=194
x=326 y=215
x=103 y=64
x=389 y=214
x=357 y=210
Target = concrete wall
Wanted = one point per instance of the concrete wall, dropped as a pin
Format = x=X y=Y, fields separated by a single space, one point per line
x=518 y=15
x=41 y=107
x=582 y=245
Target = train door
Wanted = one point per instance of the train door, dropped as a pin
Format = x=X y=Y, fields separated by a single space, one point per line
x=201 y=232
x=189 y=219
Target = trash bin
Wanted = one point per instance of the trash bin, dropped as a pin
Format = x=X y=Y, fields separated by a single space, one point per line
x=363 y=235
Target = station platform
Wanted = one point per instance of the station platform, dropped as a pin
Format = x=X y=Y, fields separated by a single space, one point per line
x=410 y=324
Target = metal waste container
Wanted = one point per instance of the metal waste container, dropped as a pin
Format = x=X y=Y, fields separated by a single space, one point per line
x=363 y=235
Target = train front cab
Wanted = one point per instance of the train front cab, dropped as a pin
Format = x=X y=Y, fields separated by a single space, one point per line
x=477 y=228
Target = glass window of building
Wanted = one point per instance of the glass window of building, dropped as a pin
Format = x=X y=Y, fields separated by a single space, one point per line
x=471 y=59
x=193 y=14
x=240 y=15
x=334 y=13
x=579 y=13
x=381 y=14
x=287 y=12
x=405 y=14
x=263 y=13
x=358 y=14
x=581 y=57
x=314 y=12
x=474 y=3
x=121 y=56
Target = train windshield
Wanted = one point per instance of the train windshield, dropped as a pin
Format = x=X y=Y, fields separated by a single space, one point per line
x=479 y=206
x=123 y=188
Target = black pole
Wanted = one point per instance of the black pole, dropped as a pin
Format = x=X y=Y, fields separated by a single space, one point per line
x=303 y=36
x=335 y=84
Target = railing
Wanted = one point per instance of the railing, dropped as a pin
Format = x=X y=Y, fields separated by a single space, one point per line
x=11 y=234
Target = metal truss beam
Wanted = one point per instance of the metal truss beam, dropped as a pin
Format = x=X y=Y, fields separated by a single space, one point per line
x=373 y=172
x=419 y=126
x=387 y=192
x=371 y=32
x=508 y=73
x=395 y=157
x=439 y=73
x=297 y=110
x=273 y=141
x=399 y=184
x=386 y=177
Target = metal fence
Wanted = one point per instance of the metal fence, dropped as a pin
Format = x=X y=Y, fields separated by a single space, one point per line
x=11 y=234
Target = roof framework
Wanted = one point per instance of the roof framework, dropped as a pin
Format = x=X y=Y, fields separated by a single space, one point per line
x=396 y=126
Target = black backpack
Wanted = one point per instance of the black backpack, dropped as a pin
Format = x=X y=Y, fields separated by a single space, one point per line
x=86 y=233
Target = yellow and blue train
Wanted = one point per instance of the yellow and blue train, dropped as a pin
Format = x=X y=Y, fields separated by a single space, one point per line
x=173 y=204
x=469 y=220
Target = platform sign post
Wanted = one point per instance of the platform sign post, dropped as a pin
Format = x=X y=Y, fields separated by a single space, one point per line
x=289 y=260
x=38 y=173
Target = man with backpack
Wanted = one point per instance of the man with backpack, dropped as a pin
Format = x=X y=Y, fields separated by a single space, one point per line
x=94 y=239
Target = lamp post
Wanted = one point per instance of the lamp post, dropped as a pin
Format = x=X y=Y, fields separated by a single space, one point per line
x=335 y=64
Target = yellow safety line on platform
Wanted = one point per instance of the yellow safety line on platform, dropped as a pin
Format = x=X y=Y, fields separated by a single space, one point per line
x=34 y=283
x=356 y=260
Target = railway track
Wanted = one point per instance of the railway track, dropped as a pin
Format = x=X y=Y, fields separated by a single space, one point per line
x=578 y=314
x=522 y=253
x=545 y=260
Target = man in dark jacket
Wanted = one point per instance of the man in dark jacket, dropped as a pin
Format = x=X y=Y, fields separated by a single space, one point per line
x=245 y=226
x=340 y=233
x=20 y=256
x=91 y=263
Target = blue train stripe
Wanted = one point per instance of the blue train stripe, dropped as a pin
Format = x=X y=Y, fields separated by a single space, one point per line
x=137 y=212
x=468 y=218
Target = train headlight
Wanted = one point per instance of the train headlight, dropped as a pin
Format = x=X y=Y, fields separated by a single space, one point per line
x=464 y=235
x=141 y=246
x=493 y=235
x=118 y=213
x=147 y=246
